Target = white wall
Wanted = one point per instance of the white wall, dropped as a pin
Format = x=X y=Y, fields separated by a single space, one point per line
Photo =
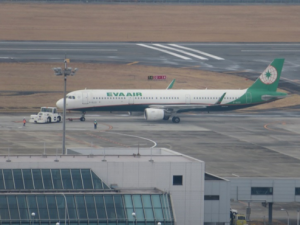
x=283 y=189
x=217 y=211
x=187 y=199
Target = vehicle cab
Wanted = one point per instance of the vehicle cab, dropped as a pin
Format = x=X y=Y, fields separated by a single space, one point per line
x=46 y=115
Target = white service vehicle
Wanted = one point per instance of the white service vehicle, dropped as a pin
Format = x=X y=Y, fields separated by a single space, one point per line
x=46 y=115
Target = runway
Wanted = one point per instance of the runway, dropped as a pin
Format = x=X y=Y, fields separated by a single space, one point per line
x=232 y=144
x=243 y=59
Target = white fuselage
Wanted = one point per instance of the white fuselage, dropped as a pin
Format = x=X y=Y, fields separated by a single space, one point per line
x=138 y=100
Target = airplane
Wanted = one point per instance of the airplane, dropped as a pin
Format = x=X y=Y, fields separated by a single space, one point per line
x=164 y=104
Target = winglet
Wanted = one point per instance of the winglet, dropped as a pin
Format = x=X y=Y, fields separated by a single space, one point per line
x=171 y=84
x=220 y=99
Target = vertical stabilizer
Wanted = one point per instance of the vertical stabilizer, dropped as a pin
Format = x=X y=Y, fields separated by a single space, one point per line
x=268 y=80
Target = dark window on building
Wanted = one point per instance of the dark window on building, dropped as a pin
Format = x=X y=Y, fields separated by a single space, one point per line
x=297 y=191
x=261 y=191
x=211 y=197
x=177 y=180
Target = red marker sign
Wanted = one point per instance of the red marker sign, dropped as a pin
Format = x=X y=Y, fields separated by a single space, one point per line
x=157 y=77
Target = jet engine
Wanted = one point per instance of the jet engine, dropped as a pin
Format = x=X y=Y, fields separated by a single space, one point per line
x=154 y=114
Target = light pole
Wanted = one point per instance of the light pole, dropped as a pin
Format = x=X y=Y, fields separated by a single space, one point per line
x=33 y=215
x=134 y=216
x=67 y=71
x=298 y=210
x=288 y=216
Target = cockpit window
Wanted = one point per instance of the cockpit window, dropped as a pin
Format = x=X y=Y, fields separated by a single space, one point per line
x=71 y=97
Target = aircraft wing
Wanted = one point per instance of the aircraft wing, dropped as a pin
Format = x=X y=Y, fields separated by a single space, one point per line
x=176 y=108
x=186 y=107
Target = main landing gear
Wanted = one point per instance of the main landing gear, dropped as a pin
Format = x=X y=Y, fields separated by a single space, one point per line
x=82 y=118
x=175 y=119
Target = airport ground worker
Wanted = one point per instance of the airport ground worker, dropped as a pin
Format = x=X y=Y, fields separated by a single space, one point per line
x=95 y=124
x=24 y=122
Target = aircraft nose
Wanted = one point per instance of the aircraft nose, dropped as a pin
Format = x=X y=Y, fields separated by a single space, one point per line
x=60 y=103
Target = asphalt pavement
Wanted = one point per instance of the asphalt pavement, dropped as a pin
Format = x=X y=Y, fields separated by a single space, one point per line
x=243 y=59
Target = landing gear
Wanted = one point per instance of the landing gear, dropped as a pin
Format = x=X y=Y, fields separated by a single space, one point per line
x=175 y=119
x=82 y=118
x=166 y=118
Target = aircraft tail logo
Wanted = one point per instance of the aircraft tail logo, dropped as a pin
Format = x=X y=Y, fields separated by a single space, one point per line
x=269 y=79
x=269 y=76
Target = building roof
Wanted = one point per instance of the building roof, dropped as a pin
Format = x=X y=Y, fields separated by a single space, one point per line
x=103 y=155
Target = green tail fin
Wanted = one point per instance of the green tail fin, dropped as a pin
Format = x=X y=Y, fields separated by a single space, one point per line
x=171 y=84
x=268 y=80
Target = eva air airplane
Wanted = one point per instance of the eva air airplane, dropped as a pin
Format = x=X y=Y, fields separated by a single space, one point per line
x=165 y=104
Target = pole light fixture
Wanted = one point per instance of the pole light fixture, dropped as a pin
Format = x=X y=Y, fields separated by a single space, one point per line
x=288 y=216
x=298 y=210
x=67 y=71
x=134 y=217
x=33 y=215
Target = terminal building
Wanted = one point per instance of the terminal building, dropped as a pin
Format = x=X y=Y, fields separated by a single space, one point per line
x=105 y=186
x=111 y=186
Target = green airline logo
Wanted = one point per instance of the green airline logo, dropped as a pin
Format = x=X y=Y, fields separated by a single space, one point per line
x=115 y=94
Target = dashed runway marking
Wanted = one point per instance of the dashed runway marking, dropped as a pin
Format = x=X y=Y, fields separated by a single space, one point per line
x=200 y=52
x=182 y=50
x=165 y=51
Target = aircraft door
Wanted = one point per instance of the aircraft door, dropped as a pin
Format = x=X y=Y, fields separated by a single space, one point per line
x=85 y=98
x=248 y=97
x=130 y=100
x=187 y=99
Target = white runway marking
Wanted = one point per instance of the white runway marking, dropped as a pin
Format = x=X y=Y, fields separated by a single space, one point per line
x=165 y=51
x=184 y=52
x=6 y=58
x=128 y=135
x=239 y=44
x=200 y=52
x=273 y=50
x=58 y=49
